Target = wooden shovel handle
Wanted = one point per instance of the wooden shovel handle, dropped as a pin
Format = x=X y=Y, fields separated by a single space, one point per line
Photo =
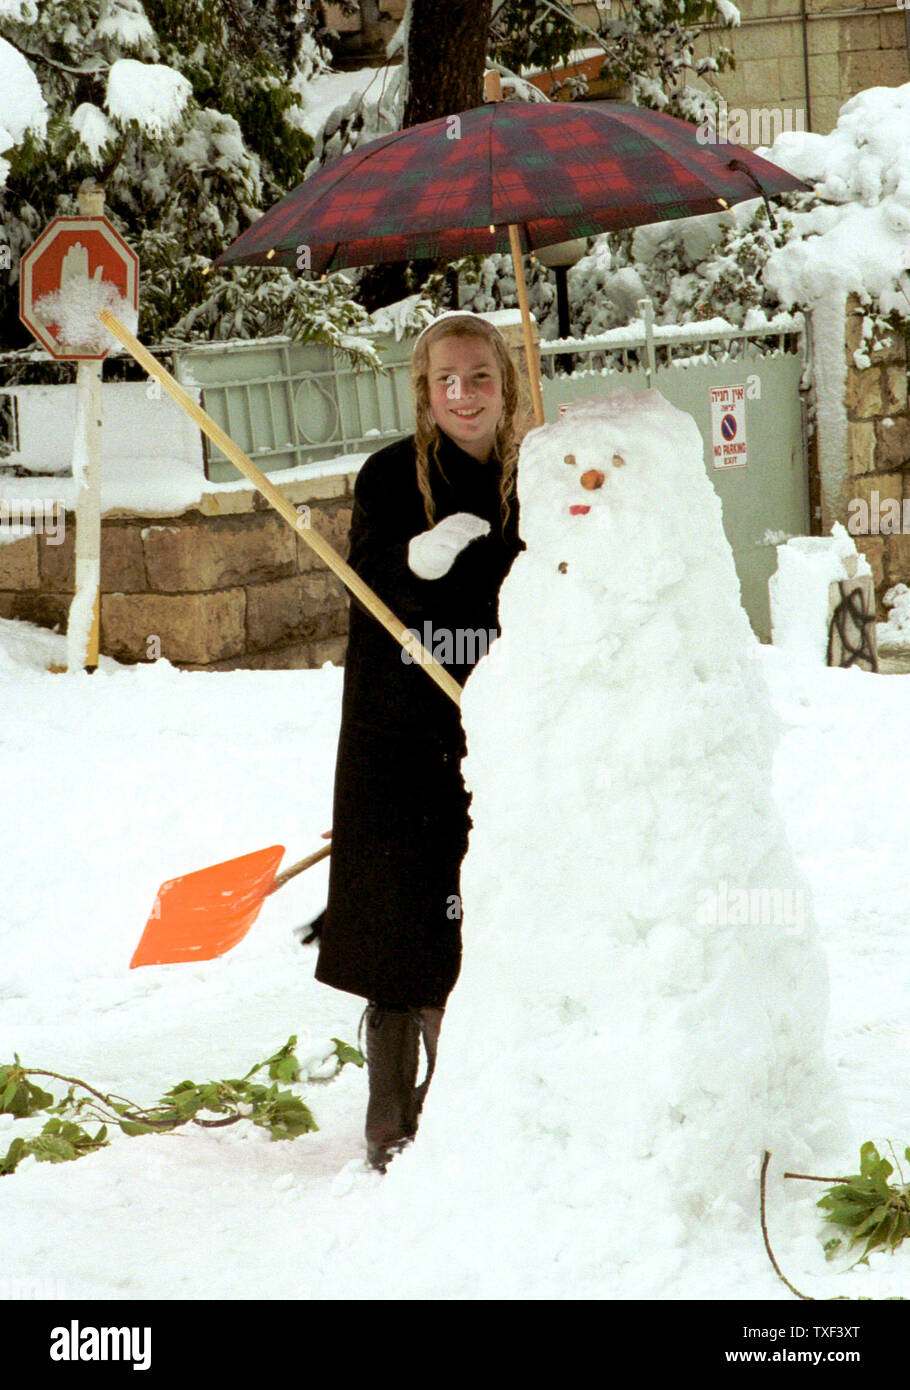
x=298 y=868
x=358 y=588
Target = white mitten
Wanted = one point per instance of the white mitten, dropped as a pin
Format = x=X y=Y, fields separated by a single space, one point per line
x=432 y=553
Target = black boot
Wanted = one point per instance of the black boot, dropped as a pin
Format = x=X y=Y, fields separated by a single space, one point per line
x=392 y=1051
x=430 y=1024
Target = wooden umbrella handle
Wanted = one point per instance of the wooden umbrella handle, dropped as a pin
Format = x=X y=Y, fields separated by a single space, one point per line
x=419 y=654
x=530 y=354
x=492 y=91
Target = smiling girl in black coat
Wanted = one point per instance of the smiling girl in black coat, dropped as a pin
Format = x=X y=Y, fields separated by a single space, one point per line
x=434 y=532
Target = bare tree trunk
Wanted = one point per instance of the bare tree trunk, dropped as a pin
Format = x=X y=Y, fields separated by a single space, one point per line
x=447 y=47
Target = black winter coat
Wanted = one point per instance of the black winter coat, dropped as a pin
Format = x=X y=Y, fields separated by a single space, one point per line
x=392 y=928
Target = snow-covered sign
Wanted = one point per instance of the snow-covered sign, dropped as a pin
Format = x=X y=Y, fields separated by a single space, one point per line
x=77 y=266
x=728 y=426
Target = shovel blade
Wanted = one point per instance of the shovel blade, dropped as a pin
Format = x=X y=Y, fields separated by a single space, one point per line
x=201 y=915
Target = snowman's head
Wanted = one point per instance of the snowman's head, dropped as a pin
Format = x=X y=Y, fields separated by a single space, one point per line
x=614 y=488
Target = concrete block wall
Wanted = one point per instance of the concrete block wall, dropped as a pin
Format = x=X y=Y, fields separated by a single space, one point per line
x=847 y=52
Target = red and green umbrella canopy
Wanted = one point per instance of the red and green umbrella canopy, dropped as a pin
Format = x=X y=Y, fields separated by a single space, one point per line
x=555 y=170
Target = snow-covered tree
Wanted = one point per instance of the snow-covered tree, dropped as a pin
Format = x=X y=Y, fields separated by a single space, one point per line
x=189 y=113
x=653 y=48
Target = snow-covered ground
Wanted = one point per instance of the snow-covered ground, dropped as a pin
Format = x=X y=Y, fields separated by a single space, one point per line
x=116 y=781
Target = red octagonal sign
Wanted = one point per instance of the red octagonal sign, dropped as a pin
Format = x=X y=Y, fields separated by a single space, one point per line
x=77 y=266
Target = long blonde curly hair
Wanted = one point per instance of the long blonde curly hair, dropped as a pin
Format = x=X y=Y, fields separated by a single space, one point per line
x=427 y=434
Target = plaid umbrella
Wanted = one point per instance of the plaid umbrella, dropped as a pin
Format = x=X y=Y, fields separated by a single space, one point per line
x=505 y=175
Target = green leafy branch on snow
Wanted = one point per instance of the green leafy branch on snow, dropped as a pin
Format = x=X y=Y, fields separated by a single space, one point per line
x=209 y=1104
x=867 y=1207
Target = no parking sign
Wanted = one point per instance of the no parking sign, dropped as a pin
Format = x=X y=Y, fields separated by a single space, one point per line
x=728 y=426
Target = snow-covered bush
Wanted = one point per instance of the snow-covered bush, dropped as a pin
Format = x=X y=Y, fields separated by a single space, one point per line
x=254 y=302
x=854 y=236
x=487 y=283
x=695 y=268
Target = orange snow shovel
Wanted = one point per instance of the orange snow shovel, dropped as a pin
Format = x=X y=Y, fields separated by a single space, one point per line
x=203 y=914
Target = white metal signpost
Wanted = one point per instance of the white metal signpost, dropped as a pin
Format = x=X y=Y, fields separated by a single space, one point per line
x=74 y=258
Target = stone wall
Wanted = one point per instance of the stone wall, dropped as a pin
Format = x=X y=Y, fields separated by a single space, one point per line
x=847 y=52
x=878 y=434
x=226 y=584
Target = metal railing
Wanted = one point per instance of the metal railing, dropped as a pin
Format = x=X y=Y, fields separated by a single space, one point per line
x=649 y=347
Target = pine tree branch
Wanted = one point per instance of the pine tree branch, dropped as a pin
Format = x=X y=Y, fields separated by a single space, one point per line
x=112 y=163
x=614 y=54
x=55 y=63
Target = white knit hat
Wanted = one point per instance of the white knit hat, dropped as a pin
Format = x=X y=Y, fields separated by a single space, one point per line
x=456 y=314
